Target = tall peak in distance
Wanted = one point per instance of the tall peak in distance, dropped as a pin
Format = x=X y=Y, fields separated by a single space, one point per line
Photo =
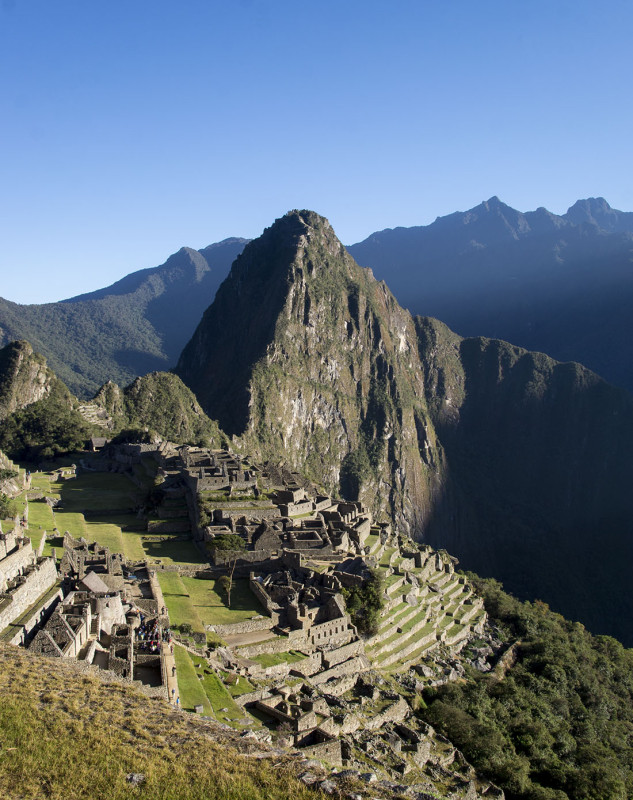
x=597 y=212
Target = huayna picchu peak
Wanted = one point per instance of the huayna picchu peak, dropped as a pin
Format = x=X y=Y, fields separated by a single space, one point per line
x=473 y=444
x=303 y=353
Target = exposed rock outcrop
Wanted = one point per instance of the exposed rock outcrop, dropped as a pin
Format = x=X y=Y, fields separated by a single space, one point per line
x=24 y=378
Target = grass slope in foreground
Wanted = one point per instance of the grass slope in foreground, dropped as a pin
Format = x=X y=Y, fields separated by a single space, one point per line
x=67 y=736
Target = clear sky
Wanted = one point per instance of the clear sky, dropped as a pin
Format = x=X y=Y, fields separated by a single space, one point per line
x=130 y=128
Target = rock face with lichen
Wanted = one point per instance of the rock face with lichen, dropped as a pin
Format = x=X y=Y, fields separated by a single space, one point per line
x=24 y=378
x=306 y=357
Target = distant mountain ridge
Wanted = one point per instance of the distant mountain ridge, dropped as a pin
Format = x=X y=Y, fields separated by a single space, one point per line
x=138 y=325
x=562 y=285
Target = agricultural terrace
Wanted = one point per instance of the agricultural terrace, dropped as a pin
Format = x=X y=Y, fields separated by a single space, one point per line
x=199 y=685
x=201 y=602
x=85 y=502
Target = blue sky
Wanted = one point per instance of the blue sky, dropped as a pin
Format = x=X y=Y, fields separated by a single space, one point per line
x=132 y=128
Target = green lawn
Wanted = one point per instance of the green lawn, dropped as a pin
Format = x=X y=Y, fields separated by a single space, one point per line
x=98 y=491
x=40 y=520
x=241 y=686
x=210 y=601
x=217 y=694
x=172 y=551
x=272 y=659
x=178 y=602
x=106 y=534
x=72 y=522
x=123 y=533
x=196 y=601
x=189 y=686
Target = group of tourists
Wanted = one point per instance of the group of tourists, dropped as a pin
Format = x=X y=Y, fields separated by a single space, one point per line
x=149 y=635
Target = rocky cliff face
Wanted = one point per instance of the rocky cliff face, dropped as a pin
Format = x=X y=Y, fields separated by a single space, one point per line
x=538 y=488
x=24 y=378
x=306 y=357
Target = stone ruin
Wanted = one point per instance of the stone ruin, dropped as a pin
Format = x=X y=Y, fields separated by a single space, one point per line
x=24 y=574
x=97 y=620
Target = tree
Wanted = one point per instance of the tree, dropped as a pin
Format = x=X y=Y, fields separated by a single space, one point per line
x=8 y=507
x=226 y=582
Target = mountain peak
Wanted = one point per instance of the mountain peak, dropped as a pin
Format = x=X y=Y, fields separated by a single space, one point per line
x=597 y=212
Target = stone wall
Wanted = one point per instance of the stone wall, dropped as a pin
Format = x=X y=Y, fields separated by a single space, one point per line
x=334 y=631
x=294 y=509
x=308 y=666
x=262 y=595
x=17 y=561
x=397 y=712
x=259 y=623
x=36 y=619
x=354 y=666
x=37 y=581
x=252 y=697
x=225 y=513
x=296 y=640
x=329 y=751
x=339 y=654
x=169 y=526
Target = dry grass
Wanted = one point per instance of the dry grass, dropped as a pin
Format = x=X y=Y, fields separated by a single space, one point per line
x=67 y=736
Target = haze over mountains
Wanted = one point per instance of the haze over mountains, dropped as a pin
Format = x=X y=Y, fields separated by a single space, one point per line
x=562 y=285
x=137 y=325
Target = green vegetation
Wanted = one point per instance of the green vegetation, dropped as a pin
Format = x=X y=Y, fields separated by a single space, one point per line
x=558 y=723
x=364 y=603
x=45 y=429
x=160 y=401
x=272 y=659
x=8 y=507
x=138 y=325
x=224 y=708
x=191 y=692
x=228 y=541
x=210 y=601
x=67 y=736
x=179 y=605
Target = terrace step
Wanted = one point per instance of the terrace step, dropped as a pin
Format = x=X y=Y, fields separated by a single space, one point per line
x=398 y=640
x=415 y=643
x=391 y=627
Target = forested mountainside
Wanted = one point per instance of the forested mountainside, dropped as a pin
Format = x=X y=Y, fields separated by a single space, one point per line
x=40 y=418
x=137 y=325
x=561 y=285
x=517 y=464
